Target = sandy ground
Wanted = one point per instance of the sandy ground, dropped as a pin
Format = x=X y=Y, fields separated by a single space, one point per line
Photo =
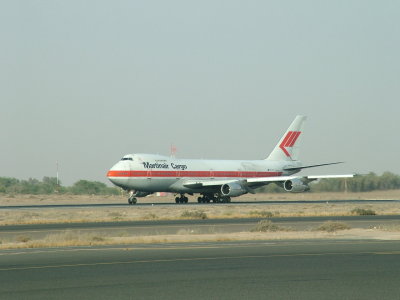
x=68 y=239
x=130 y=213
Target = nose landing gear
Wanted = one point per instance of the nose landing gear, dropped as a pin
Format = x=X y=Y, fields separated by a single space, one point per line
x=132 y=199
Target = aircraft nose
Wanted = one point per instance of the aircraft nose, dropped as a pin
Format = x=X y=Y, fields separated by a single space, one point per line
x=118 y=172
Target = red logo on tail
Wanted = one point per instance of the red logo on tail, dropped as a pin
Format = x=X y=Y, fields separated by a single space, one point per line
x=289 y=141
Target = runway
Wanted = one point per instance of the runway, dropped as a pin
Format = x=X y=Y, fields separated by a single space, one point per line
x=193 y=204
x=318 y=269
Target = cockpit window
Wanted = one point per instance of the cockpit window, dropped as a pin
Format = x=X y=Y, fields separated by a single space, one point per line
x=127 y=158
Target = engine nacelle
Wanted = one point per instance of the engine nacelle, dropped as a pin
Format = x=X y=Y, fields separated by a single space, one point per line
x=141 y=194
x=232 y=189
x=295 y=186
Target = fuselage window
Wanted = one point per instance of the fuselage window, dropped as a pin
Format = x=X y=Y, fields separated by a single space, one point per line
x=127 y=158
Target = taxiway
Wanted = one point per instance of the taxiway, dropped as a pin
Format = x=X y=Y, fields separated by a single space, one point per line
x=317 y=269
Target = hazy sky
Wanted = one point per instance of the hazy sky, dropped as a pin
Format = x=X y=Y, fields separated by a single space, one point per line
x=85 y=82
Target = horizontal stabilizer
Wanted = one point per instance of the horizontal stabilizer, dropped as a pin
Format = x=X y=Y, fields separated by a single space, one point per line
x=303 y=178
x=311 y=166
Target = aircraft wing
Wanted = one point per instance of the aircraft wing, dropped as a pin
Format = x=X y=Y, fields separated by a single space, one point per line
x=303 y=178
x=206 y=182
x=249 y=182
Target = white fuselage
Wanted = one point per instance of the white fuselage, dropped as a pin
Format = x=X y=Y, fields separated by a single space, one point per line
x=157 y=173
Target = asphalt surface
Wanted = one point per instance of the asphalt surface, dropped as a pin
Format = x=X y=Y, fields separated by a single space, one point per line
x=45 y=206
x=236 y=270
x=159 y=227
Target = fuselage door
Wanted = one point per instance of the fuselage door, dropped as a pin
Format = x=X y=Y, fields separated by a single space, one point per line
x=125 y=166
x=149 y=171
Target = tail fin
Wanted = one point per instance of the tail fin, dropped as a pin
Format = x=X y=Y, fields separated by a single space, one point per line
x=286 y=149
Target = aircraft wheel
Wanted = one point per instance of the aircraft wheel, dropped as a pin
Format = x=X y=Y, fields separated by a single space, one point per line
x=202 y=199
x=132 y=200
x=186 y=200
x=226 y=199
x=217 y=199
x=177 y=200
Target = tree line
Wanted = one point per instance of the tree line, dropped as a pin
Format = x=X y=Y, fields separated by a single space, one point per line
x=48 y=185
x=360 y=183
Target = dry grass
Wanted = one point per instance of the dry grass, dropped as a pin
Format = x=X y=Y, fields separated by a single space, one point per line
x=262 y=214
x=69 y=238
x=388 y=227
x=268 y=226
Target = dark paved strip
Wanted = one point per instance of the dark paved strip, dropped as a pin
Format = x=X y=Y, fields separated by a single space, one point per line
x=193 y=222
x=235 y=270
x=183 y=223
x=45 y=206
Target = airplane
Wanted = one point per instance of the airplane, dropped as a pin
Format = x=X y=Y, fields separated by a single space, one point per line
x=216 y=180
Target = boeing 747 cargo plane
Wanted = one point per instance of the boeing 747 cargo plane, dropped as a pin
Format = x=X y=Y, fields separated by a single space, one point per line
x=215 y=180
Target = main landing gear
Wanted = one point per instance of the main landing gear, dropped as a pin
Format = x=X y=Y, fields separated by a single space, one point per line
x=182 y=199
x=132 y=199
x=217 y=198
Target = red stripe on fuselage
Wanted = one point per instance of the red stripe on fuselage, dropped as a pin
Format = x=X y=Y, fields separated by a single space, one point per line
x=178 y=174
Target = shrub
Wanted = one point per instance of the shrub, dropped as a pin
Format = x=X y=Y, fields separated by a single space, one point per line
x=271 y=188
x=268 y=226
x=196 y=214
x=363 y=212
x=23 y=239
x=261 y=213
x=98 y=239
x=331 y=226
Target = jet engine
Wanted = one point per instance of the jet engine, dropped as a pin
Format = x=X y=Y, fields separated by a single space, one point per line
x=295 y=186
x=232 y=189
